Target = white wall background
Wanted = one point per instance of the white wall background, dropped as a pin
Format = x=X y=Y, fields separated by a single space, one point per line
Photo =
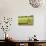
x=15 y=8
